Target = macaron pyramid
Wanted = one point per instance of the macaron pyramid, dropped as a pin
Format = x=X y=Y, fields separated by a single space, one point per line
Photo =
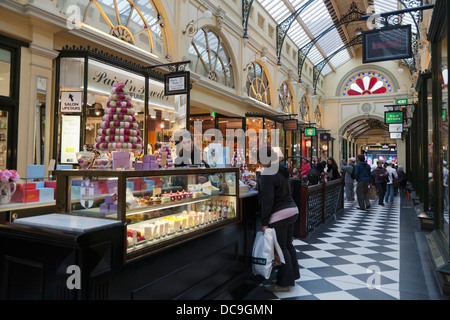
x=119 y=129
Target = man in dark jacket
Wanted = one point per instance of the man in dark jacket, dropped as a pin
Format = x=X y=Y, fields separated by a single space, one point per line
x=363 y=179
x=379 y=178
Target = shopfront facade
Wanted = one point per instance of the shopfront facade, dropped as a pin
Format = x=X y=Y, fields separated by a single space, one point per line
x=427 y=146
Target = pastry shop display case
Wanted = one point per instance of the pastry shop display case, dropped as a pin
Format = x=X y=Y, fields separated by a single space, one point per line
x=160 y=208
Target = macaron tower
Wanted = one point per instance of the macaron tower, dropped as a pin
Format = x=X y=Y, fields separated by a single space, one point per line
x=119 y=129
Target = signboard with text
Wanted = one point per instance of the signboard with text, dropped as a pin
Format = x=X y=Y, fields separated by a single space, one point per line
x=290 y=124
x=71 y=101
x=393 y=117
x=390 y=43
x=176 y=83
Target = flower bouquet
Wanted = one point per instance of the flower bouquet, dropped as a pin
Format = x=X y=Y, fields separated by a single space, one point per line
x=8 y=180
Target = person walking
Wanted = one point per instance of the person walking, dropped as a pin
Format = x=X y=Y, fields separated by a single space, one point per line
x=379 y=178
x=363 y=178
x=392 y=174
x=349 y=173
x=279 y=211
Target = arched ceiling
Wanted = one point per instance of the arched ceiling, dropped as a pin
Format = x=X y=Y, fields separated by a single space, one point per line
x=364 y=128
x=322 y=29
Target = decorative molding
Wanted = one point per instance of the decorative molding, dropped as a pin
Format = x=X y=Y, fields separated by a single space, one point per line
x=43 y=52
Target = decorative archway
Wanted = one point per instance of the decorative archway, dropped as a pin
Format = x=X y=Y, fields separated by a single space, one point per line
x=141 y=24
x=210 y=57
x=258 y=83
x=286 y=97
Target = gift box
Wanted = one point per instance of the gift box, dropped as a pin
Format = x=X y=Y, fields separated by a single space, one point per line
x=77 y=182
x=26 y=186
x=50 y=184
x=46 y=194
x=138 y=166
x=64 y=167
x=25 y=196
x=39 y=184
x=130 y=185
x=36 y=171
x=104 y=207
x=148 y=158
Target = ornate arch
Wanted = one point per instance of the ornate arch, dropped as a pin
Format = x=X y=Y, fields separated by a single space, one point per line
x=305 y=109
x=318 y=115
x=210 y=57
x=258 y=83
x=140 y=24
x=286 y=97
x=364 y=68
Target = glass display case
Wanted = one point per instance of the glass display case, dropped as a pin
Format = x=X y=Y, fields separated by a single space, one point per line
x=160 y=208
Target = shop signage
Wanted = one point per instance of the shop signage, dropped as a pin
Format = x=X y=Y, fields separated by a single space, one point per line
x=395 y=135
x=102 y=77
x=70 y=138
x=310 y=132
x=390 y=43
x=395 y=127
x=176 y=83
x=290 y=124
x=393 y=117
x=325 y=137
x=402 y=101
x=71 y=101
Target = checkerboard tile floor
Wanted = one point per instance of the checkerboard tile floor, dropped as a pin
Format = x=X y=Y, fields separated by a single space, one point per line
x=355 y=258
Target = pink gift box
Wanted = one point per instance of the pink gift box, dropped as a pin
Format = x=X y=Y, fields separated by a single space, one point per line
x=139 y=166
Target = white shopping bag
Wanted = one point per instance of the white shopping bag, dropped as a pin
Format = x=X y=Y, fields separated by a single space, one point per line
x=263 y=254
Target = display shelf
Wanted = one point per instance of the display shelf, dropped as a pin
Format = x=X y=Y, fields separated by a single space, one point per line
x=155 y=226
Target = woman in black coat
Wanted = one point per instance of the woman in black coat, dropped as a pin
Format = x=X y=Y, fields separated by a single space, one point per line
x=332 y=169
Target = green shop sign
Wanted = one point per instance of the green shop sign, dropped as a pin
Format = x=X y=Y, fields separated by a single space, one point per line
x=310 y=132
x=393 y=116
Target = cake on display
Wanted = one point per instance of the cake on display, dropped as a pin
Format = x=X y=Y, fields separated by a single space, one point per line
x=119 y=128
x=164 y=156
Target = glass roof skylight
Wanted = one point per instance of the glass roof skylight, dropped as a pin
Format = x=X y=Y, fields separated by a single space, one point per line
x=313 y=19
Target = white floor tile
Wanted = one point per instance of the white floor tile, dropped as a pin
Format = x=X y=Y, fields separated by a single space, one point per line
x=335 y=295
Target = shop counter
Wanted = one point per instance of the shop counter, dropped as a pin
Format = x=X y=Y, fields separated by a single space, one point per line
x=139 y=246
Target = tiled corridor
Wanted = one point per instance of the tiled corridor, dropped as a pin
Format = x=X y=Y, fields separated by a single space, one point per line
x=375 y=255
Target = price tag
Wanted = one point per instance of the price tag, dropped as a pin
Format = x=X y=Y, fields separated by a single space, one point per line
x=156 y=191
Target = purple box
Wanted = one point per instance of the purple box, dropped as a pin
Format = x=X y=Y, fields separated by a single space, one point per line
x=112 y=207
x=109 y=199
x=154 y=166
x=138 y=166
x=104 y=207
x=146 y=166
x=77 y=182
x=146 y=158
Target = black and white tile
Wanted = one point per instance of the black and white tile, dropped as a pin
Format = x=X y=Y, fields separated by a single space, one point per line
x=354 y=258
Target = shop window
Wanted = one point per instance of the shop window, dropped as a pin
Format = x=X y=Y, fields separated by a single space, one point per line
x=135 y=22
x=209 y=57
x=5 y=72
x=286 y=98
x=367 y=83
x=258 y=83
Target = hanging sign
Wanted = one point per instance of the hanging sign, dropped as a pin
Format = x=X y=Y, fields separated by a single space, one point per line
x=395 y=135
x=291 y=124
x=310 y=132
x=395 y=127
x=393 y=117
x=71 y=101
x=176 y=83
x=390 y=43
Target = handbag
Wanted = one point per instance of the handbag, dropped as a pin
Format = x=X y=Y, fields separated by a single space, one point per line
x=395 y=182
x=372 y=194
x=265 y=248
